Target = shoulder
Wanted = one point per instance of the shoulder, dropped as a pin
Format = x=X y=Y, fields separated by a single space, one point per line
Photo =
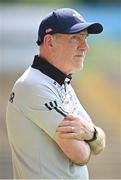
x=35 y=84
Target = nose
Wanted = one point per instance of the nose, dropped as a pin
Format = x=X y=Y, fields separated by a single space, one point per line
x=83 y=45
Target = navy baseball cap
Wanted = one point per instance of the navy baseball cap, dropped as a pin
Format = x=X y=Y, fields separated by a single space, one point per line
x=66 y=21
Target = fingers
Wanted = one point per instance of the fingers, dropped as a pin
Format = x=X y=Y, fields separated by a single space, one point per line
x=68 y=135
x=69 y=132
x=66 y=129
x=67 y=123
x=72 y=135
x=75 y=127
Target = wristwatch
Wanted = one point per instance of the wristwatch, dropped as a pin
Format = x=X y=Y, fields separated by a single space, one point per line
x=94 y=136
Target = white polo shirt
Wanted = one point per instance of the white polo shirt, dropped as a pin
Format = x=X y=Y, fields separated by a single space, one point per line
x=39 y=101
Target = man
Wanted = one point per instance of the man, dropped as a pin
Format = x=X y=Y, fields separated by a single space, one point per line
x=50 y=133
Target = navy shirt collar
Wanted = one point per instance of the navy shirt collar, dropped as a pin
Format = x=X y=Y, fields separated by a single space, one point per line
x=48 y=69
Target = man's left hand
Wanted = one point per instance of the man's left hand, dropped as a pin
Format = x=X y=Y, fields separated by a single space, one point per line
x=76 y=127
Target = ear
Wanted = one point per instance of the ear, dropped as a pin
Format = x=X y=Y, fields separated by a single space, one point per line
x=48 y=41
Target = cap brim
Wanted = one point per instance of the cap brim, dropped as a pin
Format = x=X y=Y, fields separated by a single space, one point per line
x=93 y=28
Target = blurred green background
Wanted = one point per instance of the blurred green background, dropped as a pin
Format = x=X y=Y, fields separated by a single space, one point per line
x=98 y=85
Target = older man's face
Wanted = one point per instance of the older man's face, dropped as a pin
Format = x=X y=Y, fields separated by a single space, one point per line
x=70 y=50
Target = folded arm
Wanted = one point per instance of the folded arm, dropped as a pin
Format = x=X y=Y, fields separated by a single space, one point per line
x=77 y=151
x=73 y=136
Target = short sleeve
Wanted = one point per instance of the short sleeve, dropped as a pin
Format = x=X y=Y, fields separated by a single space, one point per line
x=43 y=107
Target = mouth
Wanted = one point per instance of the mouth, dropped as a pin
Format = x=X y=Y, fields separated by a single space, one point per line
x=80 y=56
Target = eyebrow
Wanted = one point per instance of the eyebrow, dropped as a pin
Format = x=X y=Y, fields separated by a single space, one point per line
x=74 y=35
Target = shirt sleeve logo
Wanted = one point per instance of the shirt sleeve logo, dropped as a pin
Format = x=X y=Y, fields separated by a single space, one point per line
x=53 y=105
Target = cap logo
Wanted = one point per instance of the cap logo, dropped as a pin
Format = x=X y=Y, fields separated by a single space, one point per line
x=76 y=14
x=48 y=30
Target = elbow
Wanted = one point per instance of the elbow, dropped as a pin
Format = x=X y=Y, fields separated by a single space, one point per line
x=97 y=151
x=99 y=148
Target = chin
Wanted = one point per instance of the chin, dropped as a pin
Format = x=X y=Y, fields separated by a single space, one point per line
x=78 y=68
x=81 y=68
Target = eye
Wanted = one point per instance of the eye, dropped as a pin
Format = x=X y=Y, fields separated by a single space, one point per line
x=76 y=39
x=79 y=38
x=84 y=36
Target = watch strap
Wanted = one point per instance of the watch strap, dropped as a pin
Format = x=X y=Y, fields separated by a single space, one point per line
x=94 y=136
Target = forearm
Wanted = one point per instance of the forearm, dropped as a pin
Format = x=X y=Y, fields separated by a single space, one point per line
x=84 y=154
x=77 y=151
x=98 y=145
